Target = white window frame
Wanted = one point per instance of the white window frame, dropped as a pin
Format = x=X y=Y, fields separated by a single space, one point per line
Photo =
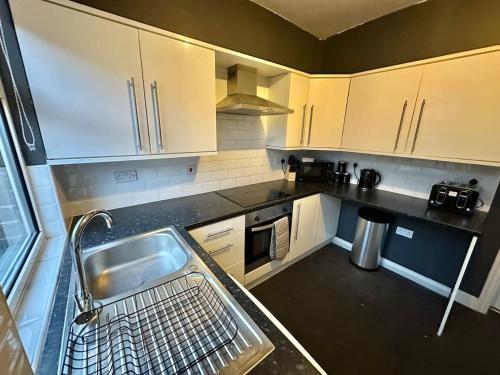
x=16 y=291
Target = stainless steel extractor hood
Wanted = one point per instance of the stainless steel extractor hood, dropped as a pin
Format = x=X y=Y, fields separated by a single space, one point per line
x=242 y=96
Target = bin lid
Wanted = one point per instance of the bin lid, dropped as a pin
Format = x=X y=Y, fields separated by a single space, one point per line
x=375 y=215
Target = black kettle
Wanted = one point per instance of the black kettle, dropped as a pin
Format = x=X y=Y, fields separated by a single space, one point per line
x=369 y=178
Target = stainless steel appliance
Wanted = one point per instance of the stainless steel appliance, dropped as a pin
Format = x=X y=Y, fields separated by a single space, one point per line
x=258 y=230
x=454 y=197
x=242 y=96
x=317 y=171
x=368 y=179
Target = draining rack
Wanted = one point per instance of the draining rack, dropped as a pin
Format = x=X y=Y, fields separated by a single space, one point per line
x=180 y=326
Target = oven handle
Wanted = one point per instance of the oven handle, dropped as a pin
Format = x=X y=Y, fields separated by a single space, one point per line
x=264 y=227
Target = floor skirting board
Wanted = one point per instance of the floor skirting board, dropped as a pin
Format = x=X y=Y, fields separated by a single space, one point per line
x=463 y=298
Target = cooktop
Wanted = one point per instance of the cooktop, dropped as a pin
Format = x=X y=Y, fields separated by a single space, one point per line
x=247 y=196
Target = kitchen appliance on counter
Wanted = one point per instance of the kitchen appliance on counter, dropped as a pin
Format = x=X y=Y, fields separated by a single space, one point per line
x=341 y=176
x=258 y=232
x=455 y=197
x=368 y=178
x=316 y=171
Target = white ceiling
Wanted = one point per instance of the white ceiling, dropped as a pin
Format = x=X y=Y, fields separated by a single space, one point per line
x=324 y=18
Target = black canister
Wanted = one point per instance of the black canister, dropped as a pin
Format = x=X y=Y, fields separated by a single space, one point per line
x=342 y=166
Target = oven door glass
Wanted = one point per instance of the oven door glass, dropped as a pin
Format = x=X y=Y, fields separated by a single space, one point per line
x=257 y=244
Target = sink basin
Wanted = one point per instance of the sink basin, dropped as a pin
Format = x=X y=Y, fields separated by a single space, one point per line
x=123 y=266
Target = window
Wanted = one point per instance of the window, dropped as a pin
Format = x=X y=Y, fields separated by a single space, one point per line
x=17 y=225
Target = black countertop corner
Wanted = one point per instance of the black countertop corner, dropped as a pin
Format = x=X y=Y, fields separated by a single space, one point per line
x=197 y=210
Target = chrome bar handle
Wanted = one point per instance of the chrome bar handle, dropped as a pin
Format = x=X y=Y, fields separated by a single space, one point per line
x=303 y=123
x=400 y=125
x=310 y=125
x=297 y=223
x=156 y=109
x=264 y=227
x=222 y=249
x=227 y=230
x=135 y=114
x=422 y=106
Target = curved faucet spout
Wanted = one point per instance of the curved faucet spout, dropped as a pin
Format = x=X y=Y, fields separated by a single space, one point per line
x=84 y=300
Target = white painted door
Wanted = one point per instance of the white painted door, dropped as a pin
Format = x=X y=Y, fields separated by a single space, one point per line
x=458 y=111
x=80 y=69
x=180 y=94
x=379 y=110
x=327 y=100
x=303 y=234
x=496 y=303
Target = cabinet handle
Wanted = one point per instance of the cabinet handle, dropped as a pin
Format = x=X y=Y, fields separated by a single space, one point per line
x=264 y=227
x=156 y=109
x=303 y=121
x=135 y=114
x=422 y=106
x=297 y=224
x=310 y=125
x=400 y=125
x=222 y=249
x=227 y=230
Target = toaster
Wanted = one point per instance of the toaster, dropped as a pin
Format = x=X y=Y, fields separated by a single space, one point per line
x=454 y=197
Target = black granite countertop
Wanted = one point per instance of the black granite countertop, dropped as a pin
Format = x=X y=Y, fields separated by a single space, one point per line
x=193 y=211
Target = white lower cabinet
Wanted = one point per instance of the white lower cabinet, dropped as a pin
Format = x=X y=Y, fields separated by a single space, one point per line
x=315 y=221
x=225 y=243
x=303 y=234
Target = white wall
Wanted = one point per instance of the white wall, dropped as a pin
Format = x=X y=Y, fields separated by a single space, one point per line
x=415 y=177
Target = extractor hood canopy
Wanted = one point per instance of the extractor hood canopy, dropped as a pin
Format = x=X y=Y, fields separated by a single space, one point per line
x=242 y=96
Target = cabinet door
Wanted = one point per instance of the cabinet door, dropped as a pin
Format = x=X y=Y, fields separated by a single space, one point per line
x=80 y=69
x=327 y=99
x=290 y=90
x=179 y=81
x=303 y=235
x=328 y=218
x=379 y=110
x=458 y=111
x=299 y=91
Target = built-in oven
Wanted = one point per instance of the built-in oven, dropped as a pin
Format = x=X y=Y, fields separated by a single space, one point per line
x=258 y=231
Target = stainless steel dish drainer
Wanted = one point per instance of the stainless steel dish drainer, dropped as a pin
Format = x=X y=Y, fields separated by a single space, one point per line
x=180 y=326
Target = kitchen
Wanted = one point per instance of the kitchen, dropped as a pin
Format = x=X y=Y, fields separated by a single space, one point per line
x=250 y=164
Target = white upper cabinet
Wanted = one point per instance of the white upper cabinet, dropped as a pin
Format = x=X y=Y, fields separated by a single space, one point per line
x=458 y=111
x=327 y=101
x=290 y=90
x=379 y=110
x=179 y=82
x=82 y=71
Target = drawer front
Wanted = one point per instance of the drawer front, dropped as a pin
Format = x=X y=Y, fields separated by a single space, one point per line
x=218 y=230
x=228 y=250
x=237 y=271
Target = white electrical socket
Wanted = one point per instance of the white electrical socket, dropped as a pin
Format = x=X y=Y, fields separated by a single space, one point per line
x=128 y=175
x=404 y=232
x=191 y=169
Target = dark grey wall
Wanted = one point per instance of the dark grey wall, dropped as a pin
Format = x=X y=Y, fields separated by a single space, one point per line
x=432 y=252
x=30 y=157
x=240 y=25
x=430 y=29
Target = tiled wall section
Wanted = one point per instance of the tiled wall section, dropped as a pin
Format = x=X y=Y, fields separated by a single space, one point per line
x=46 y=201
x=241 y=160
x=415 y=177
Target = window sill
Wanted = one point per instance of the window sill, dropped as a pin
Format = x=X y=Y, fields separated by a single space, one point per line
x=36 y=298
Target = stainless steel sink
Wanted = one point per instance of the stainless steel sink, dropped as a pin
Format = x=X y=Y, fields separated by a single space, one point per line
x=159 y=309
x=124 y=266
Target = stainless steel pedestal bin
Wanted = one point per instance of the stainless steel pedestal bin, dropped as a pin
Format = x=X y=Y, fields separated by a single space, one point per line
x=369 y=239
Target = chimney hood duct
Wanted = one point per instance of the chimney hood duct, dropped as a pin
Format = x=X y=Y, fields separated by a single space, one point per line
x=242 y=96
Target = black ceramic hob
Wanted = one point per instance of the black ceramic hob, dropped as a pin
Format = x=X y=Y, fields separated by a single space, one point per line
x=248 y=196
